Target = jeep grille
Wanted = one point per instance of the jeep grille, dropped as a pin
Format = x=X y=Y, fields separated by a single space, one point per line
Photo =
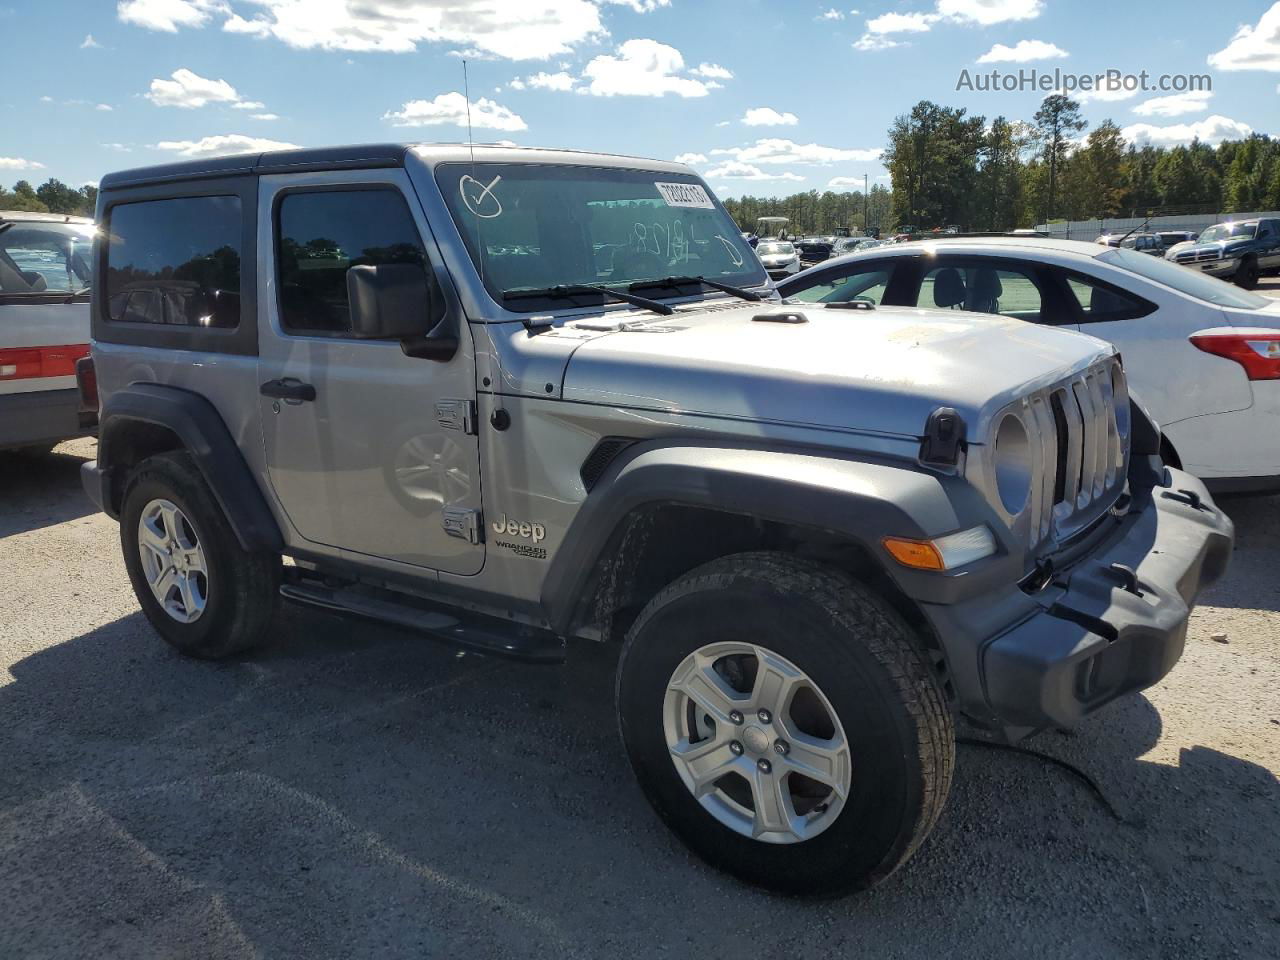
x=1079 y=451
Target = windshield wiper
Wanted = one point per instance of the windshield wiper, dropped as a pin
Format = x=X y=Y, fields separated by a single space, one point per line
x=565 y=290
x=672 y=282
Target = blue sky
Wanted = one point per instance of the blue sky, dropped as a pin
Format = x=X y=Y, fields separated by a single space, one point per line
x=762 y=96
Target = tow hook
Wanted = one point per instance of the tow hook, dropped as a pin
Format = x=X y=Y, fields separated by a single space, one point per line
x=1185 y=496
x=1128 y=578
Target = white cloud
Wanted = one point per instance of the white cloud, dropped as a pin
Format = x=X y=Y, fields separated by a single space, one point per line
x=871 y=41
x=545 y=81
x=1211 y=130
x=168 y=15
x=1252 y=48
x=222 y=145
x=643 y=68
x=88 y=43
x=117 y=147
x=248 y=105
x=902 y=23
x=641 y=6
x=451 y=108
x=507 y=29
x=725 y=123
x=19 y=163
x=987 y=12
x=264 y=116
x=691 y=158
x=772 y=150
x=845 y=182
x=1103 y=95
x=104 y=107
x=1022 y=52
x=189 y=90
x=254 y=28
x=768 y=117
x=832 y=14
x=734 y=170
x=1175 y=105
x=46 y=99
x=713 y=71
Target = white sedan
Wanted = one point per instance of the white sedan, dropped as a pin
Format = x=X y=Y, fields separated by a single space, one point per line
x=779 y=257
x=1202 y=355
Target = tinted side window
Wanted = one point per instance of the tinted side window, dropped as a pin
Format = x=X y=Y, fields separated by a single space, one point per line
x=1099 y=303
x=867 y=285
x=320 y=235
x=175 y=262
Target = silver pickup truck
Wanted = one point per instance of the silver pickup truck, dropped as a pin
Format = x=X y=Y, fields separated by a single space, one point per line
x=517 y=398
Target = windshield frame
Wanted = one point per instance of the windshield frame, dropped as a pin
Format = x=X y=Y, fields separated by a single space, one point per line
x=444 y=174
x=1160 y=271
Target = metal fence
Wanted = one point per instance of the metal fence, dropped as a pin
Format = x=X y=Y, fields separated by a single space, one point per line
x=1092 y=229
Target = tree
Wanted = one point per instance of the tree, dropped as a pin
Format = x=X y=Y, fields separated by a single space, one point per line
x=933 y=162
x=23 y=197
x=1056 y=120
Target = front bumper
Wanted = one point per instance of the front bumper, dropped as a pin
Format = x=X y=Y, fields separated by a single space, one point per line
x=1093 y=634
x=42 y=416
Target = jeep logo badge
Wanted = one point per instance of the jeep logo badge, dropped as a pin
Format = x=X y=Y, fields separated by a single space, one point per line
x=513 y=528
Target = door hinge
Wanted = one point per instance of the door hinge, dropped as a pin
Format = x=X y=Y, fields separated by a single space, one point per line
x=456 y=415
x=463 y=523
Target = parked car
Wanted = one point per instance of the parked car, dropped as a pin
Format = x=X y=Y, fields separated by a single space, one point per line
x=46 y=270
x=1203 y=356
x=845 y=245
x=780 y=258
x=1148 y=243
x=813 y=249
x=814 y=534
x=1240 y=251
x=1171 y=237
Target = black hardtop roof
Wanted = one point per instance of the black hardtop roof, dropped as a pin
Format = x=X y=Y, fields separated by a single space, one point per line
x=276 y=161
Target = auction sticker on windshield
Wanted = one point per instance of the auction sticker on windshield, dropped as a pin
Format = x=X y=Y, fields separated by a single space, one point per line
x=685 y=195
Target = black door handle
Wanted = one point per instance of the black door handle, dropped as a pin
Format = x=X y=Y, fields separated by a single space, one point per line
x=294 y=390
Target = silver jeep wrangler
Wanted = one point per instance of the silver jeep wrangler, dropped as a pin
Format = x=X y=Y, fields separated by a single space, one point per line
x=511 y=397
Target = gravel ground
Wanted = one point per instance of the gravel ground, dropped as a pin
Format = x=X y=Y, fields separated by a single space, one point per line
x=357 y=791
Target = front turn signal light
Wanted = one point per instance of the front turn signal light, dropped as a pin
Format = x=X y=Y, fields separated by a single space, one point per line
x=942 y=553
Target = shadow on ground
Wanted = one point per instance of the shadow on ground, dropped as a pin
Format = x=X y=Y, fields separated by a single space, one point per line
x=41 y=490
x=355 y=791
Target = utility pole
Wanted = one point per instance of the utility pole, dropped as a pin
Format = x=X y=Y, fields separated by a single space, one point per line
x=866 y=207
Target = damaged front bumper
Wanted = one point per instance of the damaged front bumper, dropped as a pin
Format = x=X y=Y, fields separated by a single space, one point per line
x=1113 y=622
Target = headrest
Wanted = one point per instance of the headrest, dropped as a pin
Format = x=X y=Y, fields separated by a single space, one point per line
x=948 y=287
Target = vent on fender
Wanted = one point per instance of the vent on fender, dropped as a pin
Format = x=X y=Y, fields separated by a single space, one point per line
x=600 y=457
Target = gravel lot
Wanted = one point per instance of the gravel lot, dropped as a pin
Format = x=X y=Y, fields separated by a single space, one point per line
x=356 y=791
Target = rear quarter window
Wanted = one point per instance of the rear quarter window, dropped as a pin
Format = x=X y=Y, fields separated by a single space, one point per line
x=175 y=262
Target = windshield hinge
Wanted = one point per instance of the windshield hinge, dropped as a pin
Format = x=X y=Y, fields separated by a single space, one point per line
x=456 y=415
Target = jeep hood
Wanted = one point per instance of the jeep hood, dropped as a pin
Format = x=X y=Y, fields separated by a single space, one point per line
x=881 y=371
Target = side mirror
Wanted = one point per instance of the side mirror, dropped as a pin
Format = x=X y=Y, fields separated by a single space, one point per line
x=401 y=301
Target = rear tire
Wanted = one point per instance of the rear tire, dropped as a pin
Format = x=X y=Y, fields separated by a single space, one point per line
x=863 y=662
x=231 y=605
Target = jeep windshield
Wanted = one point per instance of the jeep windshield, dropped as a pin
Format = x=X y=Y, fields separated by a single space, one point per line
x=534 y=227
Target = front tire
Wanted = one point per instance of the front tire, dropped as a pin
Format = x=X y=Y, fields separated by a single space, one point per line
x=784 y=723
x=204 y=593
x=1247 y=274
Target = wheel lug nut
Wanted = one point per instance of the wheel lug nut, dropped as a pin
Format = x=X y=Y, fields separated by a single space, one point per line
x=735 y=716
x=765 y=716
x=735 y=748
x=764 y=766
x=781 y=747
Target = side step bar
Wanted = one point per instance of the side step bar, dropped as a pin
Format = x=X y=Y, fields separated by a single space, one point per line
x=477 y=632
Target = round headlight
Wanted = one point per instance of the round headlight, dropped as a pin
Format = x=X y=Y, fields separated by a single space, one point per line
x=1013 y=464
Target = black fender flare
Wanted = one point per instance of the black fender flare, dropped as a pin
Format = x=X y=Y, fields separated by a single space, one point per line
x=204 y=435
x=860 y=499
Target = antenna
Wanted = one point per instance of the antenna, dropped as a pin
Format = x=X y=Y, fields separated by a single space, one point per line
x=481 y=252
